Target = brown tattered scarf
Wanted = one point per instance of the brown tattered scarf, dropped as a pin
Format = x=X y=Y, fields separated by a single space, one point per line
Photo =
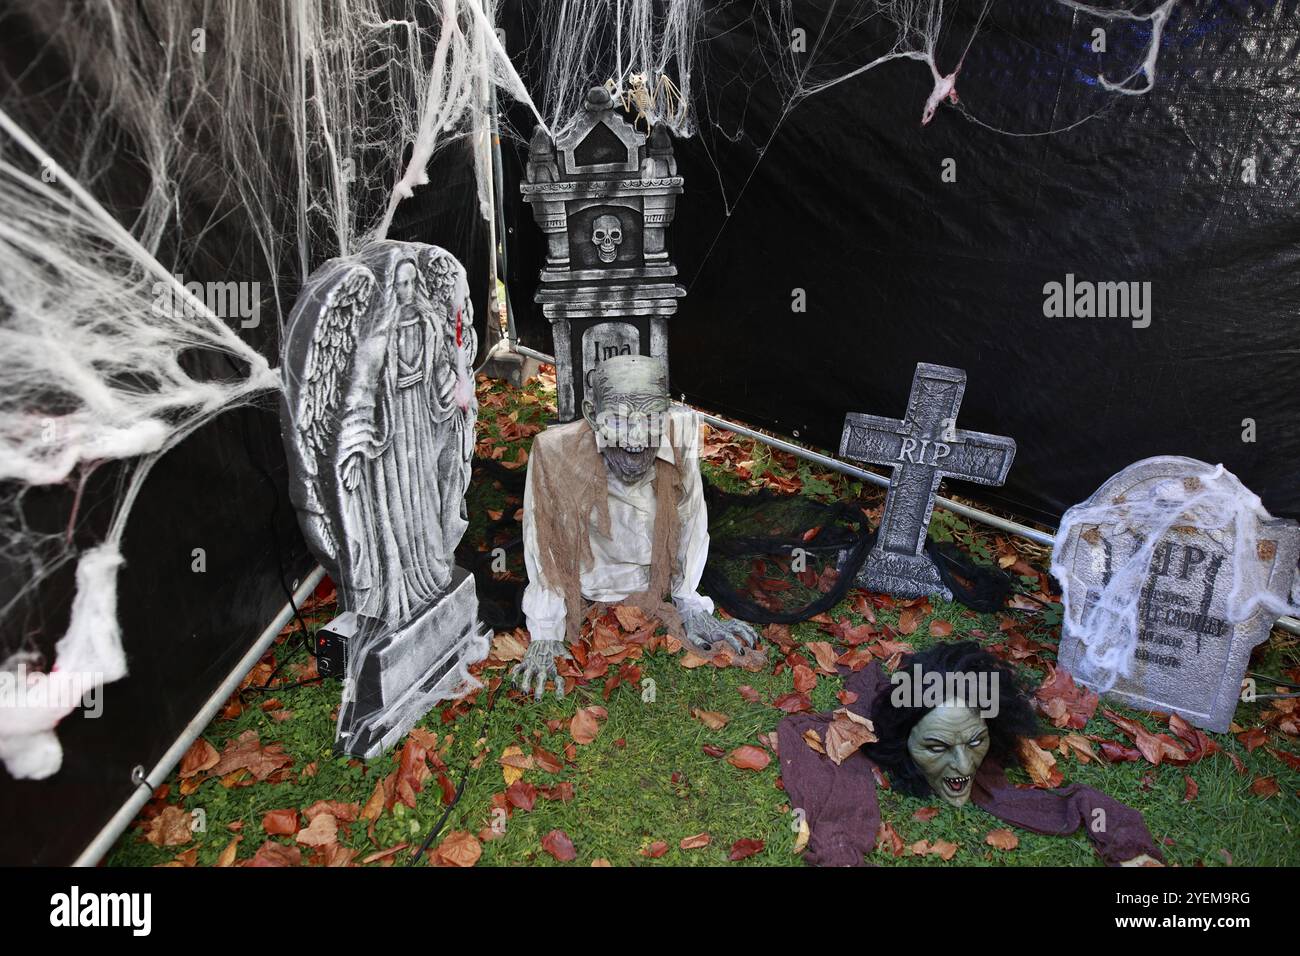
x=570 y=487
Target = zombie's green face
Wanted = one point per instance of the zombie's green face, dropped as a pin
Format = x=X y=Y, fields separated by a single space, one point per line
x=948 y=744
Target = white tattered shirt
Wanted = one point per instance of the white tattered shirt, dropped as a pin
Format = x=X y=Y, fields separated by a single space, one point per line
x=620 y=565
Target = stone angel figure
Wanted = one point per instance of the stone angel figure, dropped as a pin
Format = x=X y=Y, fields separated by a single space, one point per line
x=379 y=415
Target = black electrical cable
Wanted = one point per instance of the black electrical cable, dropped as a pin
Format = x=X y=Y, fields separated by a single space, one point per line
x=460 y=787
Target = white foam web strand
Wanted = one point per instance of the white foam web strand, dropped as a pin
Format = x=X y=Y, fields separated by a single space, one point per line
x=598 y=42
x=794 y=51
x=1157 y=19
x=92 y=332
x=1216 y=504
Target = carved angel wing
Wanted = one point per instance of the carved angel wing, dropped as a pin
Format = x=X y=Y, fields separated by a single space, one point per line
x=329 y=356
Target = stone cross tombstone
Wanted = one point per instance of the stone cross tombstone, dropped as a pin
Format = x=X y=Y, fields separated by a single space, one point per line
x=922 y=449
x=378 y=422
x=1171 y=538
x=604 y=194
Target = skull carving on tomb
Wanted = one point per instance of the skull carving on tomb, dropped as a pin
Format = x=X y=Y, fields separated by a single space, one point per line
x=607 y=236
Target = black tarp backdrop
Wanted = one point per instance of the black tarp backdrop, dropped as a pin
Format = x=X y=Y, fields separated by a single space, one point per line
x=223 y=490
x=899 y=267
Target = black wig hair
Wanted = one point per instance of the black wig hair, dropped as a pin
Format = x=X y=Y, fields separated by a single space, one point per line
x=893 y=724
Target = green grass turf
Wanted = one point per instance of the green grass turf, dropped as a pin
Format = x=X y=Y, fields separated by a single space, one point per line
x=646 y=777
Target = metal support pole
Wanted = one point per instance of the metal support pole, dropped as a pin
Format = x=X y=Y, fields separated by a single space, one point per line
x=145 y=786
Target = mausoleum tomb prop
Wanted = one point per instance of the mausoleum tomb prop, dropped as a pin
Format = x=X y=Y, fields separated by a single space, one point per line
x=604 y=194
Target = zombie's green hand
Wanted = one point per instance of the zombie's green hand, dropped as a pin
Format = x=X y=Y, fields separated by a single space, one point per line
x=538 y=667
x=704 y=631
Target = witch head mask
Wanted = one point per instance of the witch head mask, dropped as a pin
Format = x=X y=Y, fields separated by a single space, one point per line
x=949 y=708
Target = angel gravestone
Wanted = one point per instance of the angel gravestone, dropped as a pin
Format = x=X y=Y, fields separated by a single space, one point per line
x=922 y=449
x=1171 y=573
x=378 y=414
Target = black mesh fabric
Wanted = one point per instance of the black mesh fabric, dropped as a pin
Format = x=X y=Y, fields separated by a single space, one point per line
x=781 y=559
x=773 y=558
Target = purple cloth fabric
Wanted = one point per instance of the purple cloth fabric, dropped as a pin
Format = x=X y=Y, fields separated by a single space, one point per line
x=844 y=816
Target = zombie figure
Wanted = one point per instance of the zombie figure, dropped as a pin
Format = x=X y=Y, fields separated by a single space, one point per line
x=614 y=513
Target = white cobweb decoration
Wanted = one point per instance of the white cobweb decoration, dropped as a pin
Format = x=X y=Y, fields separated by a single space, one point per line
x=300 y=126
x=1108 y=629
x=662 y=46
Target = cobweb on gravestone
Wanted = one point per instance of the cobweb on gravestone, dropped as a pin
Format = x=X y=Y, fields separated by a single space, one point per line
x=1109 y=628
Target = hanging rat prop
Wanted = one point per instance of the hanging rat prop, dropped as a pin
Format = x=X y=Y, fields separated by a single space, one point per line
x=614 y=513
x=946 y=724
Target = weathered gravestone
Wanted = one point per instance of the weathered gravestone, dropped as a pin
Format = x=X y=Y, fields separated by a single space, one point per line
x=922 y=449
x=378 y=419
x=1171 y=573
x=604 y=195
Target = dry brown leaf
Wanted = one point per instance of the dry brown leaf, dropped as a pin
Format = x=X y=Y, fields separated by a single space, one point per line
x=1081 y=747
x=514 y=763
x=945 y=850
x=1255 y=737
x=813 y=740
x=170 y=828
x=1065 y=702
x=323 y=831
x=382 y=855
x=340 y=811
x=631 y=619
x=692 y=660
x=804 y=679
x=201 y=756
x=585 y=724
x=846 y=733
x=825 y=656
x=558 y=844
x=714 y=720
x=888 y=840
x=1265 y=787
x=336 y=856
x=1039 y=764
x=744 y=848
x=230 y=853
x=280 y=822
x=247 y=753
x=272 y=853
x=509 y=645
x=378 y=800
x=908 y=621
x=749 y=757
x=458 y=849
x=1002 y=840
